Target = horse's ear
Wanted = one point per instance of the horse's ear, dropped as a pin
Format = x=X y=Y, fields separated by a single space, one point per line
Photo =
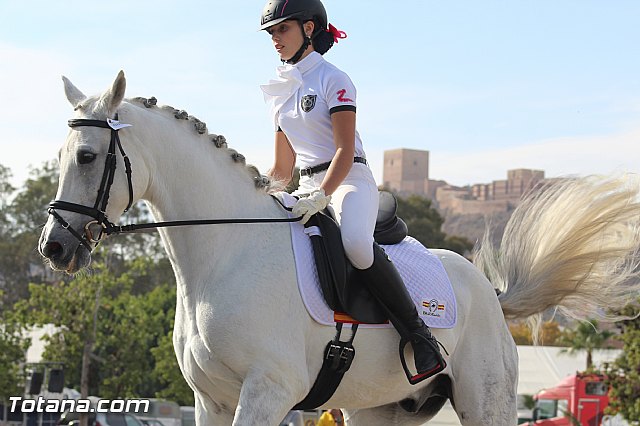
x=74 y=95
x=115 y=94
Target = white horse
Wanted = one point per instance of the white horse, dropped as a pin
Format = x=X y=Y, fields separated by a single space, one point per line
x=243 y=338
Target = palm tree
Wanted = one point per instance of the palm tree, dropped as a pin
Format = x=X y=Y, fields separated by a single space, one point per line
x=585 y=337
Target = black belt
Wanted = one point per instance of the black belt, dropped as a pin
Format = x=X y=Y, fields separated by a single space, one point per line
x=308 y=171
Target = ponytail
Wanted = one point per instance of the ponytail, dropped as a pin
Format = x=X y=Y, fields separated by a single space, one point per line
x=322 y=42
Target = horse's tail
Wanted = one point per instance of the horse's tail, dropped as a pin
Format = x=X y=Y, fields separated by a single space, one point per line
x=574 y=245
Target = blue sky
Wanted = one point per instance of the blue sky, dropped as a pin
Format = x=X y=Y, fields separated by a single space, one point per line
x=485 y=86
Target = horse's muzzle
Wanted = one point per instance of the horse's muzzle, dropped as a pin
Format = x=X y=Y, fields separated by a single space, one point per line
x=63 y=253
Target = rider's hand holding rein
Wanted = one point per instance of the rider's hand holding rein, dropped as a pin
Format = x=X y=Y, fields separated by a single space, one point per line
x=308 y=206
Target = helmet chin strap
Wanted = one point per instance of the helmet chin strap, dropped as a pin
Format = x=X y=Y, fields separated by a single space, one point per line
x=305 y=44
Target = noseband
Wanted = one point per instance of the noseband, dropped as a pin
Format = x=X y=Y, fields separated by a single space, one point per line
x=98 y=211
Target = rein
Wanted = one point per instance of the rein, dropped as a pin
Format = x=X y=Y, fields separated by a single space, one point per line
x=98 y=211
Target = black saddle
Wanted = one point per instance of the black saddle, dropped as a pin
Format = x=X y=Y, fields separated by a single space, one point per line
x=342 y=287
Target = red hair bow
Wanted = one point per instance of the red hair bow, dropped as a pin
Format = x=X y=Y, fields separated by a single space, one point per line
x=337 y=34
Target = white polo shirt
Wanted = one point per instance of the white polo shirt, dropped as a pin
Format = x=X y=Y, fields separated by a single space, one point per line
x=316 y=89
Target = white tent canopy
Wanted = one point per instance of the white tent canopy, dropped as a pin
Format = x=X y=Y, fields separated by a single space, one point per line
x=542 y=367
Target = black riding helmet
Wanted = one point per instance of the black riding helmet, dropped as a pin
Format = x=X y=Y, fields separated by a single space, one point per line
x=276 y=11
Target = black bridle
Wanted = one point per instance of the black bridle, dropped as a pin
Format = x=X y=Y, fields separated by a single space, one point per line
x=98 y=211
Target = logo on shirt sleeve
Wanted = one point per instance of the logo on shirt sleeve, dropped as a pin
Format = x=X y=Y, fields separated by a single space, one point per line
x=341 y=97
x=308 y=102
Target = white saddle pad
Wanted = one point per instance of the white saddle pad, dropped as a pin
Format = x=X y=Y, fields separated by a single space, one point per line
x=422 y=272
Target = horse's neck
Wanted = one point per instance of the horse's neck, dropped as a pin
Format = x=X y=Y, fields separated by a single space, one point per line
x=191 y=179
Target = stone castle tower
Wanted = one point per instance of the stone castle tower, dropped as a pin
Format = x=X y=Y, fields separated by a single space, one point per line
x=406 y=171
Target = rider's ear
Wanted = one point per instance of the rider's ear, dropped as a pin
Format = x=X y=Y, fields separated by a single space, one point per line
x=309 y=27
x=115 y=94
x=74 y=95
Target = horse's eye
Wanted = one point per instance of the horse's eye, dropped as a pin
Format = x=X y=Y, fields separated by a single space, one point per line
x=85 y=157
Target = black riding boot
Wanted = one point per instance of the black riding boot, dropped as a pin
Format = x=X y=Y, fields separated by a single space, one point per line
x=386 y=285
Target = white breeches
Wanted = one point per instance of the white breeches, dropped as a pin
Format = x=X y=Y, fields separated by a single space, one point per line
x=354 y=205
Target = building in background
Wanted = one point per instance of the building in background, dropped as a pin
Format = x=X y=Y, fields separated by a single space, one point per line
x=406 y=172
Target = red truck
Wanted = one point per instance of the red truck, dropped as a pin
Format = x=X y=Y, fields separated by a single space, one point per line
x=579 y=399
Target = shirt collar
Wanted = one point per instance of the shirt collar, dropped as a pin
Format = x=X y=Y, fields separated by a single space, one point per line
x=309 y=62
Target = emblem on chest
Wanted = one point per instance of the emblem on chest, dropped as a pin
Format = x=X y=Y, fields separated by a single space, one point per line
x=308 y=102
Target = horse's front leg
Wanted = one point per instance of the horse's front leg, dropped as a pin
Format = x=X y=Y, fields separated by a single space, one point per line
x=210 y=414
x=265 y=399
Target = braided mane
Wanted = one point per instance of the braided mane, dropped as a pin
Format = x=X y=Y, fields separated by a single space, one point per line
x=261 y=181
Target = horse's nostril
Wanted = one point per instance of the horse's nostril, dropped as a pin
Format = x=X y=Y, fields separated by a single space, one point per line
x=52 y=249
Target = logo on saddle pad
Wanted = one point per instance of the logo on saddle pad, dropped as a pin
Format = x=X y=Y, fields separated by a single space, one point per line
x=432 y=308
x=308 y=102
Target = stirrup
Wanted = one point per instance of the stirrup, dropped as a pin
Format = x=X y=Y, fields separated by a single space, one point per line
x=417 y=378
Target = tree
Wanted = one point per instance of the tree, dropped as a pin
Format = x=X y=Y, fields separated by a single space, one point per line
x=72 y=307
x=29 y=208
x=624 y=374
x=21 y=217
x=21 y=214
x=27 y=213
x=13 y=346
x=174 y=387
x=585 y=337
x=522 y=334
x=425 y=225
x=108 y=326
x=6 y=190
x=134 y=325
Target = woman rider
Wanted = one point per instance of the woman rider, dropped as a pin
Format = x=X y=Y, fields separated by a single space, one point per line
x=314 y=114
